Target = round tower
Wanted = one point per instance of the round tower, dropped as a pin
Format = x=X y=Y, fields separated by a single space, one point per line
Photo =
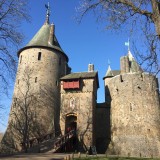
x=135 y=114
x=42 y=63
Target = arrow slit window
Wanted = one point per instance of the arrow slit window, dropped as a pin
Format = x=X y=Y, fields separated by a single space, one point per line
x=39 y=56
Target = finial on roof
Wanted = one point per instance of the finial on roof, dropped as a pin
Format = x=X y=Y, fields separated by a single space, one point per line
x=48 y=13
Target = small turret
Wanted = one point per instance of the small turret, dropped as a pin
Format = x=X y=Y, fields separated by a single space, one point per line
x=109 y=74
x=129 y=64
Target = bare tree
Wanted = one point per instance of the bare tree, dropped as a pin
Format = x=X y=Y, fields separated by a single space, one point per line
x=140 y=17
x=12 y=13
x=24 y=122
x=25 y=125
x=52 y=101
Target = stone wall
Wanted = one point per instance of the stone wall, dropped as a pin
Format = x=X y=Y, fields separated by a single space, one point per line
x=103 y=132
x=135 y=115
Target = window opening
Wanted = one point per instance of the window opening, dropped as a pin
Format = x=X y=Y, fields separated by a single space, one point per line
x=36 y=80
x=121 y=78
x=59 y=61
x=56 y=83
x=130 y=107
x=21 y=59
x=39 y=55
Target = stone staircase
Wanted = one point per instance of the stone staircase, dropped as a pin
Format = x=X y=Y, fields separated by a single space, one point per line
x=50 y=144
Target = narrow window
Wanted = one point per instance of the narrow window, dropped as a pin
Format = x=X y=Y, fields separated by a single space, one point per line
x=56 y=83
x=142 y=77
x=18 y=81
x=121 y=78
x=36 y=80
x=59 y=61
x=21 y=59
x=39 y=56
x=130 y=107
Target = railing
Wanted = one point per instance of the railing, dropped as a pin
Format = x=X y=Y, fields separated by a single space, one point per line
x=63 y=140
x=57 y=143
x=37 y=140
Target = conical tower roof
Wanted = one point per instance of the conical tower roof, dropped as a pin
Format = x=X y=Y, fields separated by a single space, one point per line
x=111 y=73
x=45 y=38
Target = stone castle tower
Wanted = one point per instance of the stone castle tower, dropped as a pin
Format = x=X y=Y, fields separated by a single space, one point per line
x=37 y=87
x=48 y=98
x=135 y=114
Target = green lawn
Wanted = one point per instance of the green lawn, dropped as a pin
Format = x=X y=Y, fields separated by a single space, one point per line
x=114 y=158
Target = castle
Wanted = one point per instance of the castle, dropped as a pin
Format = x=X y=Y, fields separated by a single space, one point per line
x=49 y=98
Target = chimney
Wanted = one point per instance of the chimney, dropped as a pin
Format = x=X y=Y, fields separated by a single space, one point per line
x=90 y=67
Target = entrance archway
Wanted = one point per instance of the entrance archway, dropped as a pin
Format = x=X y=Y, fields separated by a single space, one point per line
x=71 y=122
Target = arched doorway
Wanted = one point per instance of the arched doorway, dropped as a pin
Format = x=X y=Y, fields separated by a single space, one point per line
x=71 y=122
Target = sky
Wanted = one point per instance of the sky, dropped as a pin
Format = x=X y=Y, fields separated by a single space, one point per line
x=84 y=43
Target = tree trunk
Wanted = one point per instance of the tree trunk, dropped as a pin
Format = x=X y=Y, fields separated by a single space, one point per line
x=156 y=15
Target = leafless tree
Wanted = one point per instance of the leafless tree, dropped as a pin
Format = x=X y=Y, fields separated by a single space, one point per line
x=52 y=100
x=12 y=13
x=24 y=123
x=140 y=17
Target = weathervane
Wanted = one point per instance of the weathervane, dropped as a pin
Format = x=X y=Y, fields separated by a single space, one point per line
x=127 y=44
x=48 y=12
x=109 y=63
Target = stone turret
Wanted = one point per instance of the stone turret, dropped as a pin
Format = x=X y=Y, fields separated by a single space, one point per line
x=109 y=75
x=135 y=113
x=42 y=63
x=129 y=64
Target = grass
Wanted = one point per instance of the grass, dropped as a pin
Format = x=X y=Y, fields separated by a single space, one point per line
x=114 y=158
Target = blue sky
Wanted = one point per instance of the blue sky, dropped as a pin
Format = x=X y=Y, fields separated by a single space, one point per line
x=84 y=43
